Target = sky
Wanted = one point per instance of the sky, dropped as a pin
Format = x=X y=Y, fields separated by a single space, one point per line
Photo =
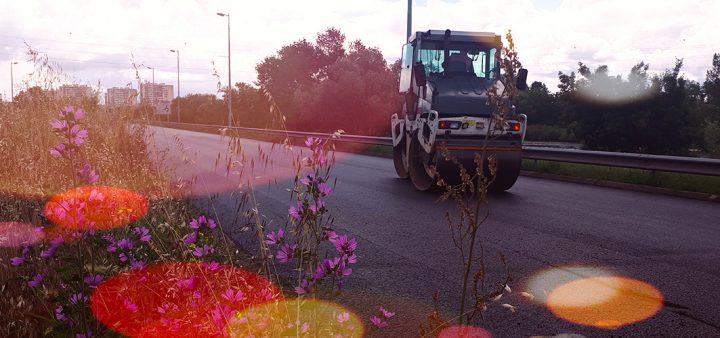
x=96 y=42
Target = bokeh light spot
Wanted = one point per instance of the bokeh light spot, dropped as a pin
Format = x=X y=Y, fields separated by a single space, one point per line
x=179 y=299
x=605 y=302
x=17 y=234
x=95 y=208
x=297 y=317
x=464 y=331
x=541 y=284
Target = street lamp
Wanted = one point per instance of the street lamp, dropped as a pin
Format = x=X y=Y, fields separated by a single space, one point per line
x=230 y=89
x=154 y=100
x=178 y=82
x=12 y=84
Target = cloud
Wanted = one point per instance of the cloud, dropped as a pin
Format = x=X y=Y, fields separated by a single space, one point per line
x=95 y=39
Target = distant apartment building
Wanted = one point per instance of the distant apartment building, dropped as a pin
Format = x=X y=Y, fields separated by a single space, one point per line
x=154 y=92
x=74 y=91
x=122 y=96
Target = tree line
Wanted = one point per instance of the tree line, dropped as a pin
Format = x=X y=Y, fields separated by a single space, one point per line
x=662 y=113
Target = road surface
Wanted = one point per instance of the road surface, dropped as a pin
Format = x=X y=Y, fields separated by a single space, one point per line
x=550 y=232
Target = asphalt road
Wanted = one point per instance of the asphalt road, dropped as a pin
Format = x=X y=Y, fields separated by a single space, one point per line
x=550 y=233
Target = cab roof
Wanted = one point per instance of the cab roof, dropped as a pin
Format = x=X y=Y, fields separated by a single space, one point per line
x=439 y=35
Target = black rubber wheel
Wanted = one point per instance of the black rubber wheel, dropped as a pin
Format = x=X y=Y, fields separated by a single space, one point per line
x=419 y=165
x=507 y=174
x=400 y=159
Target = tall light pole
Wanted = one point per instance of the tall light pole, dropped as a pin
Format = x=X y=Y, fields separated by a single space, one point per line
x=178 y=82
x=230 y=89
x=154 y=100
x=409 y=20
x=12 y=82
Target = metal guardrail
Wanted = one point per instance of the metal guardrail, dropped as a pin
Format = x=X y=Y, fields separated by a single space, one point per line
x=677 y=164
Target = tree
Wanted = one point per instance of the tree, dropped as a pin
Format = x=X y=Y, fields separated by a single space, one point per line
x=712 y=82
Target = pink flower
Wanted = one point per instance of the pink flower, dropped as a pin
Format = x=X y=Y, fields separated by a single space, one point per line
x=307 y=180
x=17 y=261
x=343 y=317
x=325 y=189
x=77 y=135
x=211 y=223
x=93 y=281
x=187 y=284
x=286 y=253
x=316 y=207
x=343 y=245
x=58 y=151
x=87 y=175
x=191 y=238
x=59 y=124
x=233 y=296
x=275 y=238
x=379 y=323
x=387 y=314
x=79 y=114
x=130 y=305
x=306 y=287
x=296 y=212
x=202 y=251
x=36 y=281
x=143 y=234
x=312 y=142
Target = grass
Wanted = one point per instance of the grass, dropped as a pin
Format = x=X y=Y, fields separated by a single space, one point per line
x=673 y=181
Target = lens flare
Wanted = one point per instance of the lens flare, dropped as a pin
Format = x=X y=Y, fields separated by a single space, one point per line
x=16 y=234
x=179 y=299
x=605 y=302
x=463 y=331
x=297 y=317
x=95 y=208
x=542 y=283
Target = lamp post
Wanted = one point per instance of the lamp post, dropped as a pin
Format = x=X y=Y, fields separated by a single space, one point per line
x=178 y=82
x=154 y=100
x=12 y=82
x=230 y=89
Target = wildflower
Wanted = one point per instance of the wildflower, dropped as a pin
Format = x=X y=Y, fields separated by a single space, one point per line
x=54 y=245
x=87 y=175
x=286 y=253
x=78 y=298
x=387 y=314
x=36 y=281
x=343 y=317
x=191 y=238
x=351 y=259
x=59 y=150
x=143 y=234
x=307 y=180
x=212 y=266
x=125 y=244
x=343 y=245
x=195 y=224
x=296 y=212
x=312 y=142
x=93 y=281
x=59 y=315
x=77 y=135
x=306 y=287
x=130 y=305
x=317 y=206
x=325 y=189
x=202 y=251
x=320 y=272
x=379 y=323
x=275 y=238
x=17 y=261
x=59 y=124
x=305 y=328
x=137 y=265
x=211 y=223
x=233 y=296
x=84 y=335
x=187 y=284
x=165 y=308
x=79 y=114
